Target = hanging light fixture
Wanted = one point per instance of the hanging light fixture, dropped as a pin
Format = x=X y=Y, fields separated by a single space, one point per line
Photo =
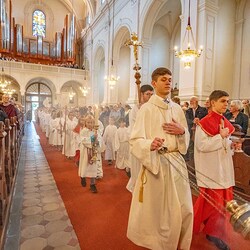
x=8 y=91
x=4 y=83
x=85 y=90
x=71 y=94
x=190 y=53
x=112 y=78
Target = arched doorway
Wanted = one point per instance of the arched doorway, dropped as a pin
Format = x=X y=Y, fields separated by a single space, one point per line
x=37 y=95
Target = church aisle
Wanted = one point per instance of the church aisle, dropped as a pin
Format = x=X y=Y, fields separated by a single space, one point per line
x=38 y=217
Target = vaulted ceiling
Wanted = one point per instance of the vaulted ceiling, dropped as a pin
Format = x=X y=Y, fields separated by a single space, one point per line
x=81 y=8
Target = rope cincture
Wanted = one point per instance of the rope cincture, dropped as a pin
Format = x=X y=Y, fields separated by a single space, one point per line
x=143 y=182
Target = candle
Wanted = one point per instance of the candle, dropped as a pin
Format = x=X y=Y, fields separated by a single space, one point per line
x=96 y=115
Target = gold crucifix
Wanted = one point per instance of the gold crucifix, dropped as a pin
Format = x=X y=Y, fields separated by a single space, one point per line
x=135 y=43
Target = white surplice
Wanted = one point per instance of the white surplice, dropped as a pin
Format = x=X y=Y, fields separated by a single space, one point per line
x=122 y=148
x=69 y=138
x=164 y=220
x=109 y=141
x=213 y=158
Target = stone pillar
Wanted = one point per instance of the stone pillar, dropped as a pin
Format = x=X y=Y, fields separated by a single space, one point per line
x=237 y=58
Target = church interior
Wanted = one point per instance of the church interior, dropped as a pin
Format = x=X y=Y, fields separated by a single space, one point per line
x=65 y=63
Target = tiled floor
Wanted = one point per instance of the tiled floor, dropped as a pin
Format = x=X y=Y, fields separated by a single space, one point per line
x=38 y=219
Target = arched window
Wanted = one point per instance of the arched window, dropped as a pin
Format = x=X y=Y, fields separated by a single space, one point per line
x=38 y=23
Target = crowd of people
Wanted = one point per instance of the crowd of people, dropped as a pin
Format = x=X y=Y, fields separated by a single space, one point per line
x=152 y=141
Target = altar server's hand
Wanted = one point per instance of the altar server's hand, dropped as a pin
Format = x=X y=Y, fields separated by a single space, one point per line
x=156 y=143
x=224 y=132
x=173 y=128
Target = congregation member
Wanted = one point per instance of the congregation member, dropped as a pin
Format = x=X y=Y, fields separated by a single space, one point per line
x=7 y=107
x=3 y=116
x=127 y=110
x=116 y=115
x=246 y=107
x=214 y=171
x=161 y=212
x=246 y=111
x=122 y=146
x=235 y=116
x=207 y=104
x=109 y=141
x=146 y=91
x=193 y=114
x=88 y=158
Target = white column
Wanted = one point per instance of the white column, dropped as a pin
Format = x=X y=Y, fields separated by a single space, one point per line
x=237 y=59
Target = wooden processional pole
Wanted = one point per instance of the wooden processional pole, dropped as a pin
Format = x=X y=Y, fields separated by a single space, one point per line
x=135 y=43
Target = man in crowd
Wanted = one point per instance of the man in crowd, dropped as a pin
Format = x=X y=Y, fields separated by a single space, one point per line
x=7 y=107
x=193 y=115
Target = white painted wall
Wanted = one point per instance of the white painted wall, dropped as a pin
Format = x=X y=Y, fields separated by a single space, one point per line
x=124 y=72
x=160 y=48
x=224 y=46
x=244 y=90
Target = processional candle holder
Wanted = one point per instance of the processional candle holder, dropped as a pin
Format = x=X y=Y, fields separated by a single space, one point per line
x=94 y=137
x=240 y=217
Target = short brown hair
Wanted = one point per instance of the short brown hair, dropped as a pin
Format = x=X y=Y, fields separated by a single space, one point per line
x=160 y=72
x=146 y=87
x=217 y=94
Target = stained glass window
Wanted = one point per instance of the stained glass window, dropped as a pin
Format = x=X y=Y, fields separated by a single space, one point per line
x=38 y=23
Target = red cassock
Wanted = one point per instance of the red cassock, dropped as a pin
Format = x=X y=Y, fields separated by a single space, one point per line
x=210 y=216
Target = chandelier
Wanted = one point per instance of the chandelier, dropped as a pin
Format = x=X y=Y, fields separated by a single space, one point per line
x=3 y=81
x=190 y=53
x=112 y=78
x=8 y=91
x=85 y=90
x=71 y=94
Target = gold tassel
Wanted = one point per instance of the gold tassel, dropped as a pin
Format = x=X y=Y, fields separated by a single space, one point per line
x=141 y=193
x=143 y=181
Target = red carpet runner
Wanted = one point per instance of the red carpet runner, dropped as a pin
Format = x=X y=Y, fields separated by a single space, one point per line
x=100 y=220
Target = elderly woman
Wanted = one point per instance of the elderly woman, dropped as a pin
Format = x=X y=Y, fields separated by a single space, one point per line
x=235 y=116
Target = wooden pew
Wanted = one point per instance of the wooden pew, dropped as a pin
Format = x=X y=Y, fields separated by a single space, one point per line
x=242 y=171
x=246 y=146
x=8 y=164
x=3 y=187
x=13 y=146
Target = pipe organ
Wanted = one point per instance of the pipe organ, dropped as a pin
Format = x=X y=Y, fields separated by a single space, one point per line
x=14 y=43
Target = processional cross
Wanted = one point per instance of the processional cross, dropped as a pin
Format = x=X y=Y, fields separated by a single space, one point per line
x=135 y=43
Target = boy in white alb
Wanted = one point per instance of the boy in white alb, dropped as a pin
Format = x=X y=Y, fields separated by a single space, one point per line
x=89 y=153
x=122 y=146
x=109 y=141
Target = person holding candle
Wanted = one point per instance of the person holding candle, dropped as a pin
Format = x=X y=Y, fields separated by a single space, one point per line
x=89 y=153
